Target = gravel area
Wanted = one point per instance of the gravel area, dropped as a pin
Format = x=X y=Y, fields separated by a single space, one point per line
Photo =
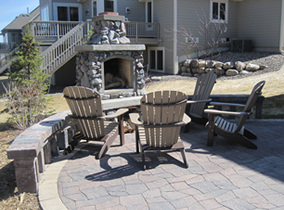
x=273 y=61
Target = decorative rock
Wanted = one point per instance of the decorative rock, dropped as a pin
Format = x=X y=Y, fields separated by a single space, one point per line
x=194 y=70
x=219 y=71
x=84 y=68
x=187 y=63
x=202 y=63
x=183 y=69
x=228 y=65
x=232 y=72
x=140 y=65
x=262 y=67
x=96 y=81
x=207 y=70
x=201 y=70
x=210 y=64
x=244 y=72
x=240 y=65
x=194 y=63
x=124 y=40
x=155 y=78
x=252 y=67
x=218 y=64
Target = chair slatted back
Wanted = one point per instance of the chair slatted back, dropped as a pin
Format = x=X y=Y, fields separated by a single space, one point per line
x=85 y=105
x=256 y=91
x=159 y=109
x=202 y=91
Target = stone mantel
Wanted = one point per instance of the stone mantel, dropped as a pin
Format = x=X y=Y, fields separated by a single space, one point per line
x=111 y=47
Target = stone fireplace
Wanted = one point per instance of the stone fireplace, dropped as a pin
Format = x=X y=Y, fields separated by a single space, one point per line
x=108 y=63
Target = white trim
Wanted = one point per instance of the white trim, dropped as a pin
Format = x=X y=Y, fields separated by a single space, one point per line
x=226 y=12
x=156 y=49
x=281 y=41
x=57 y=4
x=175 y=57
x=146 y=11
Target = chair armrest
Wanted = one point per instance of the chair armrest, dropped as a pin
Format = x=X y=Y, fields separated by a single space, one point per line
x=186 y=119
x=118 y=113
x=226 y=104
x=198 y=101
x=215 y=111
x=134 y=118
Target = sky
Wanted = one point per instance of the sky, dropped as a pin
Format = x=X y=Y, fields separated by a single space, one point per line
x=10 y=9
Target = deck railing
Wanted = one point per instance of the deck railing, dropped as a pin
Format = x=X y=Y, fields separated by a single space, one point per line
x=71 y=34
x=51 y=29
x=143 y=30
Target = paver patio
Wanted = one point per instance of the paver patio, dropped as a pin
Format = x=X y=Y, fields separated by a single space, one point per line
x=225 y=176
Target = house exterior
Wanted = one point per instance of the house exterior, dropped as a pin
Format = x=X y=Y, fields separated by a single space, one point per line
x=259 y=21
x=12 y=33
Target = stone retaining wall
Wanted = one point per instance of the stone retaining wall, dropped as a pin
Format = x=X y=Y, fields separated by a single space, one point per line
x=193 y=67
x=34 y=148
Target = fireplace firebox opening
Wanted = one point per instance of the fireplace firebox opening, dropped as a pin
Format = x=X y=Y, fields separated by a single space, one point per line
x=118 y=73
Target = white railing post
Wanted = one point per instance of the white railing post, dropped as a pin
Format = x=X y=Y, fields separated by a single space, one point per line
x=136 y=31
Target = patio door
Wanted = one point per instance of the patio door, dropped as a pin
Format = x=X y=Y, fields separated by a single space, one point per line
x=67 y=12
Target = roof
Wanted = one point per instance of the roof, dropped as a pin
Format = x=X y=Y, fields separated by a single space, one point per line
x=21 y=20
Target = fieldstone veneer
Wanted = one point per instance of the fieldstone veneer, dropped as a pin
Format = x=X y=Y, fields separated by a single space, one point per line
x=109 y=42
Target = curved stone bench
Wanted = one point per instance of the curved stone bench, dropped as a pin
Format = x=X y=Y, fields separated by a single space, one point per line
x=36 y=145
x=32 y=149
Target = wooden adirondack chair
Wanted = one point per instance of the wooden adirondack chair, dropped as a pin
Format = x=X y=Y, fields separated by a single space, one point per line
x=87 y=114
x=163 y=115
x=200 y=99
x=230 y=130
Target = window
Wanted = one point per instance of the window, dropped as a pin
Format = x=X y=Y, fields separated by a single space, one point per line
x=100 y=6
x=149 y=11
x=219 y=10
x=109 y=6
x=156 y=59
x=95 y=8
x=67 y=12
x=44 y=13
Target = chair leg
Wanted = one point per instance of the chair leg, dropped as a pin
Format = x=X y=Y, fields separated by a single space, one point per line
x=180 y=147
x=249 y=134
x=121 y=131
x=211 y=132
x=143 y=160
x=137 y=139
x=210 y=136
x=184 y=158
x=242 y=140
x=108 y=142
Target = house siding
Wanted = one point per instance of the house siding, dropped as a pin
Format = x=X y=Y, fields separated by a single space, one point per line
x=137 y=10
x=190 y=16
x=163 y=14
x=259 y=21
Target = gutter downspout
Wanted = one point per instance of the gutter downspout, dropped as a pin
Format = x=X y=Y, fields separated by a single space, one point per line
x=281 y=41
x=175 y=57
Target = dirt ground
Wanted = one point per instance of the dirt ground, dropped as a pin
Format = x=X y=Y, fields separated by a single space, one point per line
x=273 y=106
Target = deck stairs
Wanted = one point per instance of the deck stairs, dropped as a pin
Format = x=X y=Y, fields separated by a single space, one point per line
x=60 y=52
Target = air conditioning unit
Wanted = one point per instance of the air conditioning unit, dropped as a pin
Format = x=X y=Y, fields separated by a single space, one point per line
x=241 y=45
